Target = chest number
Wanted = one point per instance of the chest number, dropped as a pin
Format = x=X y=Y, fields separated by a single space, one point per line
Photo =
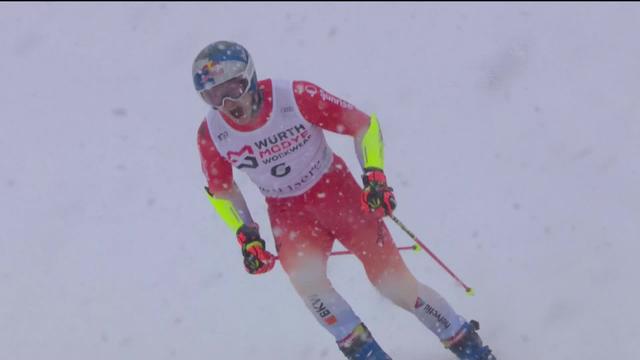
x=280 y=170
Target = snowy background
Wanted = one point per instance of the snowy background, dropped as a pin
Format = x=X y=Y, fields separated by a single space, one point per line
x=512 y=135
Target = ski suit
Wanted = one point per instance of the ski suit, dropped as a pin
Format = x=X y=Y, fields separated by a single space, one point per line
x=313 y=199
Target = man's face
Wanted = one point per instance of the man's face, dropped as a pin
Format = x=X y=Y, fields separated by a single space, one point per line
x=232 y=98
x=240 y=110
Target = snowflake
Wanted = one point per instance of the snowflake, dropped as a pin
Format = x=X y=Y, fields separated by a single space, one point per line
x=277 y=231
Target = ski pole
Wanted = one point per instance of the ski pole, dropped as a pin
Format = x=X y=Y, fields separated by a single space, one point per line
x=347 y=252
x=468 y=290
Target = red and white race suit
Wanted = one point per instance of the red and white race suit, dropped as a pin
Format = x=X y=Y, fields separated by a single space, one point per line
x=313 y=199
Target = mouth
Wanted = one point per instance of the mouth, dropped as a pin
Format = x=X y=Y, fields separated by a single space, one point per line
x=237 y=112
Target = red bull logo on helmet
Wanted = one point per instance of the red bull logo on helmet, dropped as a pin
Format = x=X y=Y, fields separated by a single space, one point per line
x=219 y=62
x=208 y=74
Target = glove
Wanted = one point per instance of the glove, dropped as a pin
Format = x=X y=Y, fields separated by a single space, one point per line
x=376 y=196
x=257 y=260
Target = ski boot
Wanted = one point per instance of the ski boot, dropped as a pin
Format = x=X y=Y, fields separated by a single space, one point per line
x=360 y=345
x=467 y=345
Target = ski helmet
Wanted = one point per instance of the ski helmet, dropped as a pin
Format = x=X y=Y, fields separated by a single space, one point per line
x=220 y=62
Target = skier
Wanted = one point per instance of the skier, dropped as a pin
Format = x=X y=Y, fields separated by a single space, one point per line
x=273 y=131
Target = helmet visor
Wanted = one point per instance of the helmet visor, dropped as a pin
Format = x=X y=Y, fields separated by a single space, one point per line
x=233 y=89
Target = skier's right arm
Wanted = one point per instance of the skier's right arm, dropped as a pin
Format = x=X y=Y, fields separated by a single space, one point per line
x=222 y=191
x=227 y=199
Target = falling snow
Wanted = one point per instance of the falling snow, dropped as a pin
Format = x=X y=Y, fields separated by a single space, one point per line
x=516 y=124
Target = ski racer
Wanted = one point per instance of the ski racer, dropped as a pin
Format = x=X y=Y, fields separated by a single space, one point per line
x=273 y=131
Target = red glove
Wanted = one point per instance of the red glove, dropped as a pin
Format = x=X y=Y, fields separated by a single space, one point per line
x=376 y=196
x=257 y=260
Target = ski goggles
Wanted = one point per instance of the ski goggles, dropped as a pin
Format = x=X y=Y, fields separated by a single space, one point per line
x=229 y=88
x=232 y=89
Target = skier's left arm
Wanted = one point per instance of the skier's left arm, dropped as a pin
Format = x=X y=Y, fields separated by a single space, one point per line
x=337 y=115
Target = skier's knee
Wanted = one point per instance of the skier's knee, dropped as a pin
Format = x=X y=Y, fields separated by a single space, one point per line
x=307 y=282
x=402 y=292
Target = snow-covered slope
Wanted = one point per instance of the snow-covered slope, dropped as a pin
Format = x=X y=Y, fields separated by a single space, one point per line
x=512 y=142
